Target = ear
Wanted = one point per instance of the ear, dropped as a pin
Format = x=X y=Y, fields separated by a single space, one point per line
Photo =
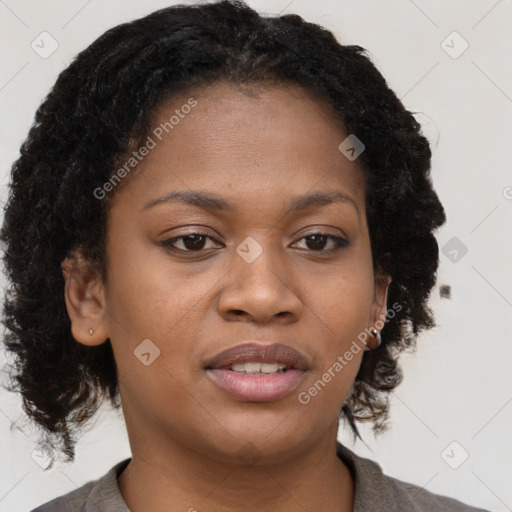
x=379 y=306
x=85 y=300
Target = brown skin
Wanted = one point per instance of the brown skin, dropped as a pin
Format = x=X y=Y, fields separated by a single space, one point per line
x=185 y=432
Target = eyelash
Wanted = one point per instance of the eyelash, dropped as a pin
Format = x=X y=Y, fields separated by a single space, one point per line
x=339 y=243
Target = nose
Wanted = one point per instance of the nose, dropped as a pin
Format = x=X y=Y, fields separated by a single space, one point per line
x=260 y=290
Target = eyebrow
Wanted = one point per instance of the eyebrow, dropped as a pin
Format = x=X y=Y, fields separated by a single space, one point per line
x=212 y=202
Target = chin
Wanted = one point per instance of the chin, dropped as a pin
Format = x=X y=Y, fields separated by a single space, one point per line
x=255 y=441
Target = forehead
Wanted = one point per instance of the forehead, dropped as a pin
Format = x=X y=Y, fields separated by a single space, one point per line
x=248 y=142
x=223 y=107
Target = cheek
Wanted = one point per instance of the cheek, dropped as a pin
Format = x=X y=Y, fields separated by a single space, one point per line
x=341 y=307
x=341 y=302
x=341 y=319
x=147 y=293
x=347 y=310
x=156 y=300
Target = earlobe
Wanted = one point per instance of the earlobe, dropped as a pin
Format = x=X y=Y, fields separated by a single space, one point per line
x=85 y=302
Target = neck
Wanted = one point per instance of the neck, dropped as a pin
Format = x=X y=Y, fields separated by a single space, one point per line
x=179 y=478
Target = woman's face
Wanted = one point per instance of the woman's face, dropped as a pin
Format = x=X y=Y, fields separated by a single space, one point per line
x=253 y=276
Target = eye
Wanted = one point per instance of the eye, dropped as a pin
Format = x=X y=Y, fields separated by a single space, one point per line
x=192 y=242
x=195 y=242
x=316 y=242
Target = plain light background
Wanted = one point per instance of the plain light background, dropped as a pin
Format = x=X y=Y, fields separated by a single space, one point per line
x=456 y=398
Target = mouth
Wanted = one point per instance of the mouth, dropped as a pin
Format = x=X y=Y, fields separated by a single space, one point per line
x=258 y=373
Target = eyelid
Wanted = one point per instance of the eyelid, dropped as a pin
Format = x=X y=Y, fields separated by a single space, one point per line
x=340 y=242
x=169 y=241
x=318 y=229
x=192 y=230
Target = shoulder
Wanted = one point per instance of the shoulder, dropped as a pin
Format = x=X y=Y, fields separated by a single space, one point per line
x=376 y=491
x=101 y=495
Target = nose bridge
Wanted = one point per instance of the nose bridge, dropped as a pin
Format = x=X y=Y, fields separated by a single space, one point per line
x=262 y=284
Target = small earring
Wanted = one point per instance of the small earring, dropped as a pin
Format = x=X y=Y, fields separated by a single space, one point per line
x=90 y=331
x=374 y=332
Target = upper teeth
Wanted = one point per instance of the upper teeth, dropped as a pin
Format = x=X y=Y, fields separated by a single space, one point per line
x=257 y=367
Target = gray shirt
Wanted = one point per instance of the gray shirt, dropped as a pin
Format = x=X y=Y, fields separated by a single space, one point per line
x=374 y=491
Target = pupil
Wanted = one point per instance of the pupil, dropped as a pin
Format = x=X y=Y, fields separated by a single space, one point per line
x=194 y=239
x=315 y=239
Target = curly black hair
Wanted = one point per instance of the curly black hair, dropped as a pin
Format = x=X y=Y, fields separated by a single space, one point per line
x=98 y=109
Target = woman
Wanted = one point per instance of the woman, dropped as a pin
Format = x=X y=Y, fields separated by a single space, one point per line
x=225 y=223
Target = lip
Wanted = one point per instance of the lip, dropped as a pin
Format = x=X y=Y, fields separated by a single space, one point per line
x=258 y=388
x=251 y=352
